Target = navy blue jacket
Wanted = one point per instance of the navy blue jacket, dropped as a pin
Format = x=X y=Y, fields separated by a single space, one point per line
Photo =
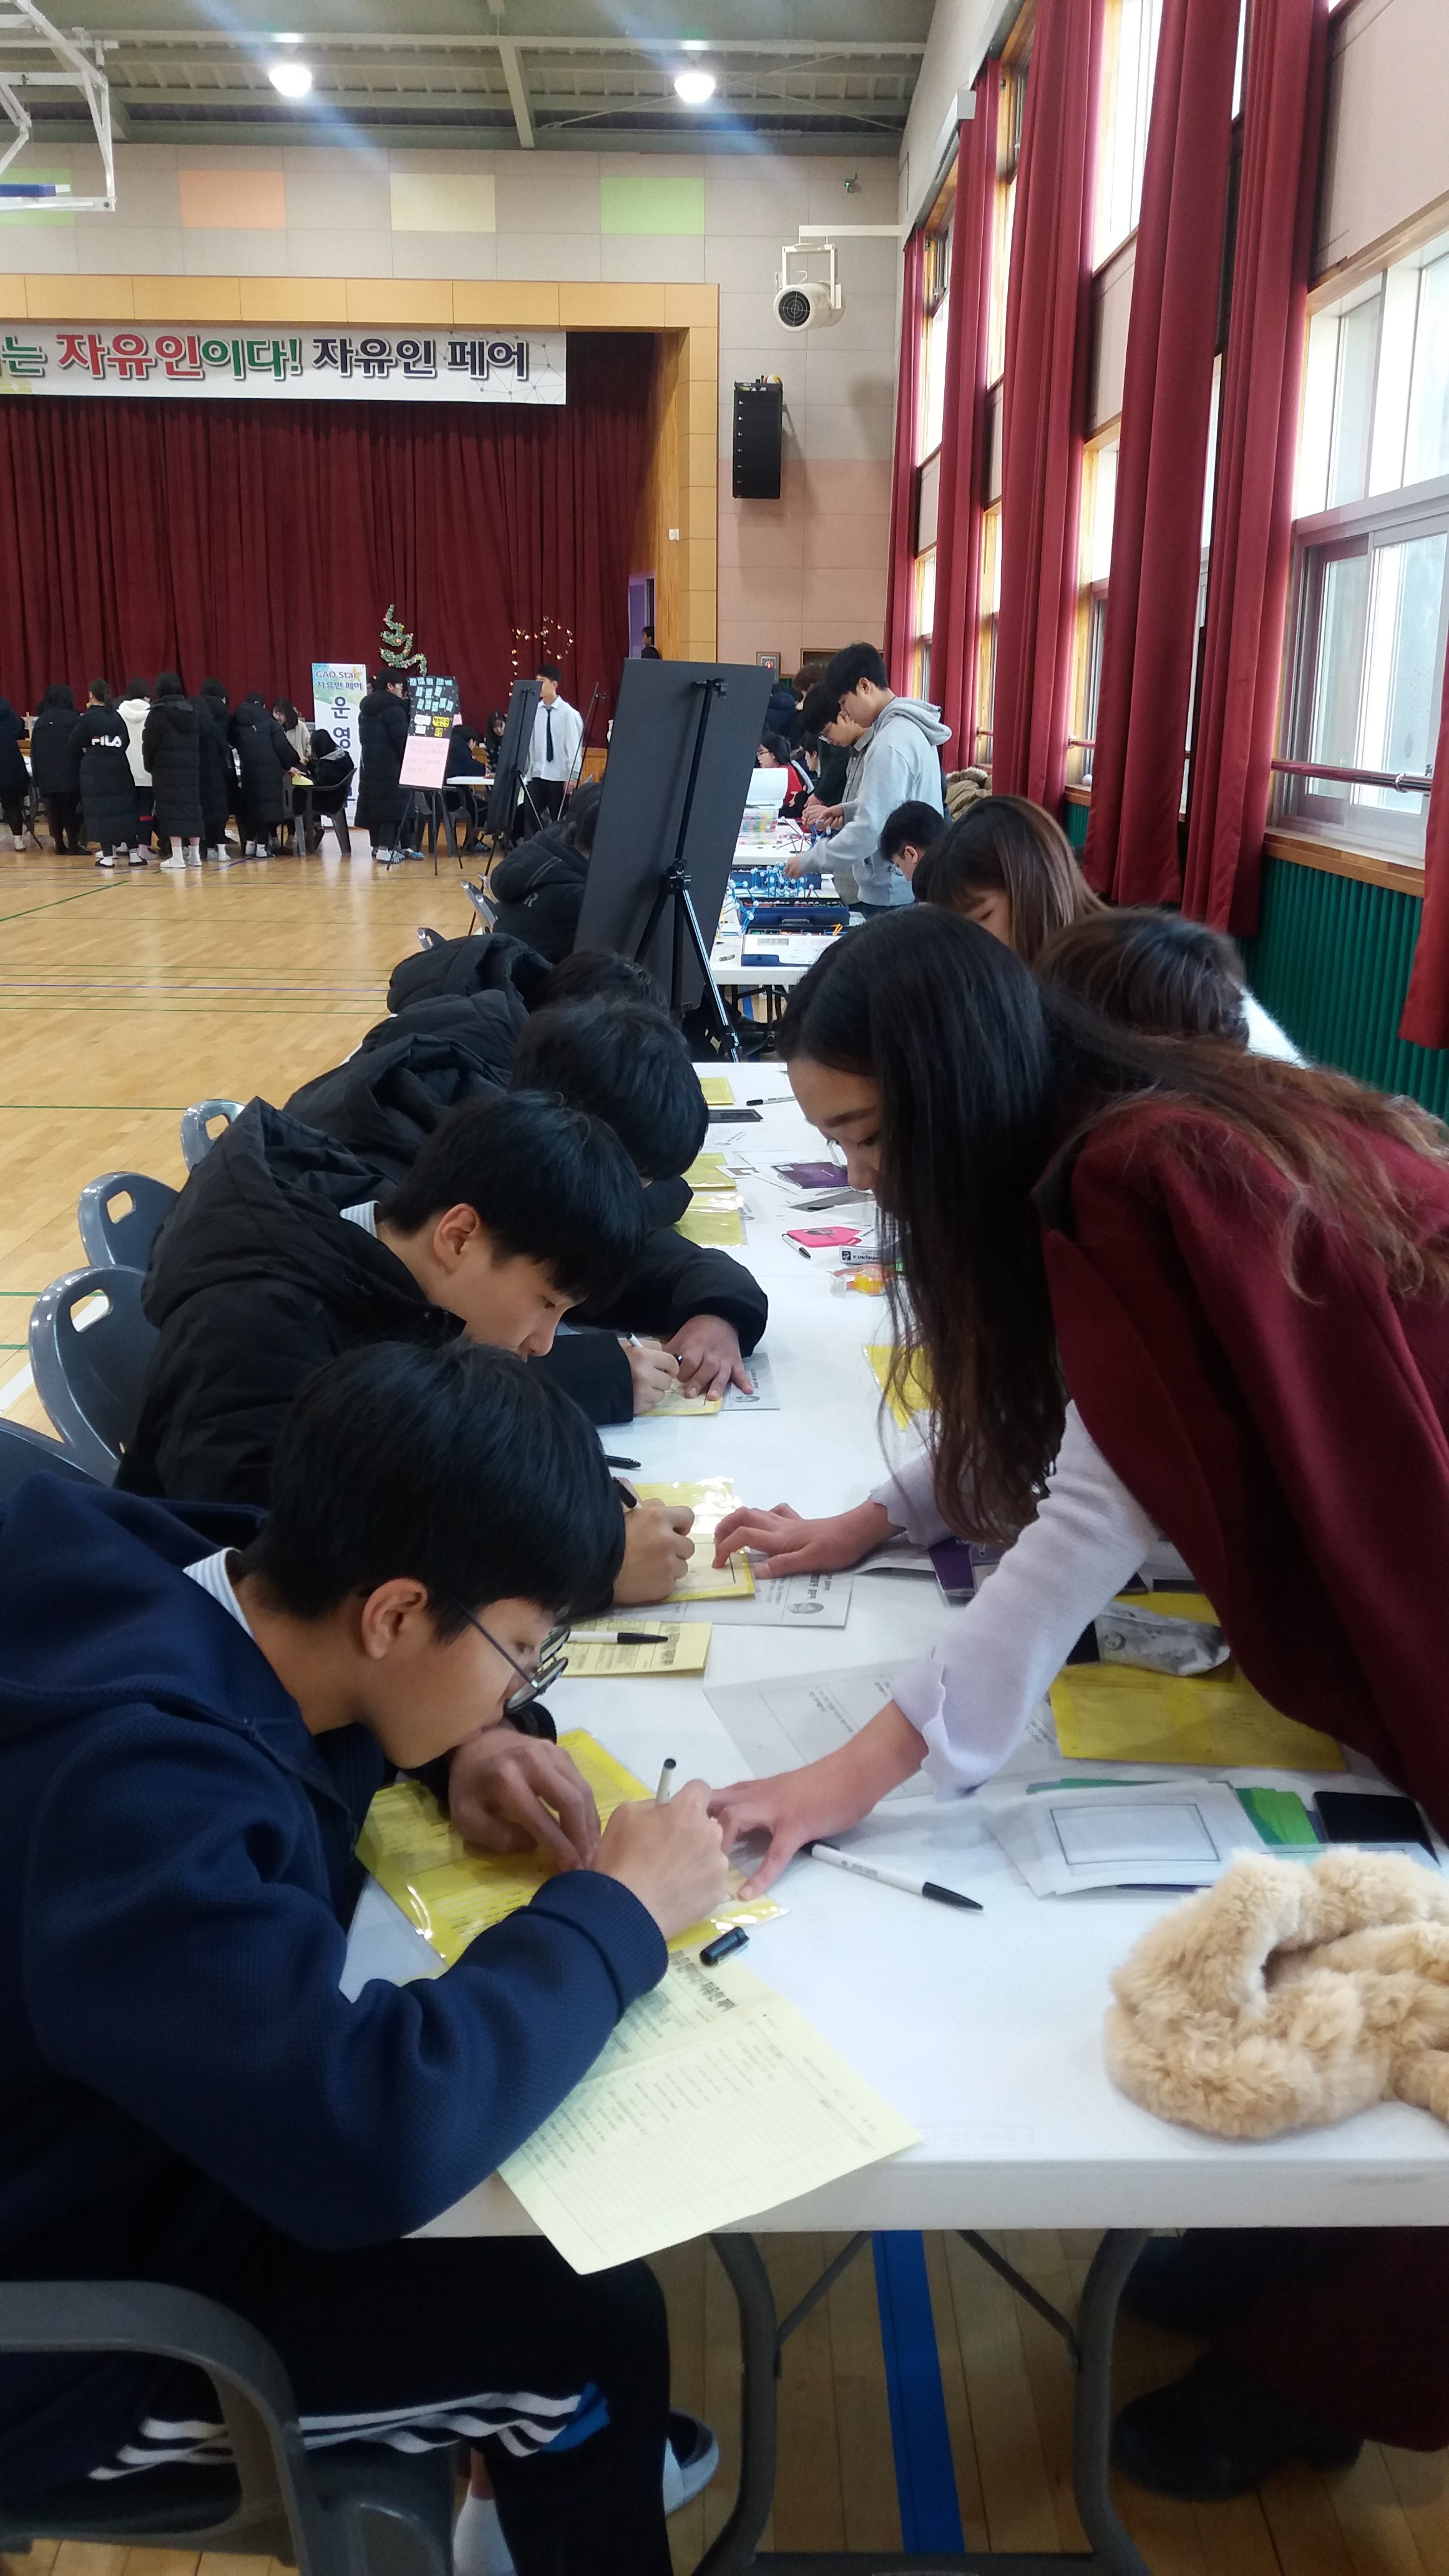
x=177 y=1872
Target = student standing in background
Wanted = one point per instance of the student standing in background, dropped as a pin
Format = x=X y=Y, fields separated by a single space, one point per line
x=649 y=650
x=896 y=760
x=14 y=776
x=52 y=766
x=135 y=707
x=100 y=748
x=172 y=747
x=558 y=730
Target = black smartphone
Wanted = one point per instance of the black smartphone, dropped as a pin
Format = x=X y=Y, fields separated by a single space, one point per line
x=1358 y=1816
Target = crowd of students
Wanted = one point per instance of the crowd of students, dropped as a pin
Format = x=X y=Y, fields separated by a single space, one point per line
x=1174 y=1291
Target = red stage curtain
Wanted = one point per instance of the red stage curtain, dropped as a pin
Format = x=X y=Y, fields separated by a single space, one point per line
x=1132 y=837
x=251 y=539
x=1426 y=1006
x=1252 y=509
x=964 y=427
x=900 y=576
x=1044 y=395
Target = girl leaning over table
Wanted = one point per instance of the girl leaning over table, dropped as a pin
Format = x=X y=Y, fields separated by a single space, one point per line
x=1162 y=1287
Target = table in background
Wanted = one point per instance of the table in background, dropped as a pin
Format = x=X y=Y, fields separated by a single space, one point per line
x=985 y=2031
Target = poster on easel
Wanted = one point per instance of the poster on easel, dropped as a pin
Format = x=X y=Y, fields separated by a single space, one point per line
x=424 y=760
x=435 y=704
x=338 y=689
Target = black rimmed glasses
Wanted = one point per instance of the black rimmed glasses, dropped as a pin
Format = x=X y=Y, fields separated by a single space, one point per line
x=551 y=1661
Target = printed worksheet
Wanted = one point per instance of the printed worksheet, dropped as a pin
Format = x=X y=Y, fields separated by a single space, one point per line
x=778 y=1725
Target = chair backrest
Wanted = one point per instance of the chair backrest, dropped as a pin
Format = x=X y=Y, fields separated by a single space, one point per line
x=482 y=903
x=338 y=2513
x=120 y=1216
x=197 y=1123
x=22 y=1451
x=89 y=1369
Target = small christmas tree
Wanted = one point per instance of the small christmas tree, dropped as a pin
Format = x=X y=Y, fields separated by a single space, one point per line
x=397 y=644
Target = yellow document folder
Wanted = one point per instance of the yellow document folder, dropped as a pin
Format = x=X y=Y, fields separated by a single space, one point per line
x=1113 y=1713
x=915 y=1395
x=703 y=1580
x=452 y=1892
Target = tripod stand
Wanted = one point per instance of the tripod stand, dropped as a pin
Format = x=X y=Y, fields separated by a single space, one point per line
x=674 y=888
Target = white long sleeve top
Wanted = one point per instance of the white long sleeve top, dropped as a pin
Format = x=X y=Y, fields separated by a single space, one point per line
x=971 y=1696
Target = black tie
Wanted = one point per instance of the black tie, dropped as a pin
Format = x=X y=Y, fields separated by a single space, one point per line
x=548 y=733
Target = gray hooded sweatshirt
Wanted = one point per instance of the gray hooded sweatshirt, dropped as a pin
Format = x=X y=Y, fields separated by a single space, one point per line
x=894 y=764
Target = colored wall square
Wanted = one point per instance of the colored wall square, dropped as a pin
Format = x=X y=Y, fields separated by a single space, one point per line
x=425 y=201
x=238 y=201
x=641 y=202
x=16 y=211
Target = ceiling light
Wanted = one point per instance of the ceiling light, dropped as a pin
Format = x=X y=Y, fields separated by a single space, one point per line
x=694 y=44
x=286 y=40
x=292 y=79
x=695 y=88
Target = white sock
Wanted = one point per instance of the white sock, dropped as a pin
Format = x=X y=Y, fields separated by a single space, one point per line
x=479 y=2548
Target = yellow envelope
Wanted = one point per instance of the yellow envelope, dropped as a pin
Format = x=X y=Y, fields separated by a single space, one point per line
x=595 y=1653
x=915 y=1396
x=713 y=1220
x=710 y=1172
x=452 y=1893
x=1112 y=1713
x=717 y=1091
x=709 y=1502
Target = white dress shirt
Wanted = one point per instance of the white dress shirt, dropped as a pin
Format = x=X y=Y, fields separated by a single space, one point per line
x=562 y=726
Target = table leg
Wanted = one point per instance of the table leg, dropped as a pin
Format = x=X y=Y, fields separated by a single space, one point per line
x=1112 y=2551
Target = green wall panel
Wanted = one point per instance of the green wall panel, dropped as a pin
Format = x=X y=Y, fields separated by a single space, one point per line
x=1331 y=961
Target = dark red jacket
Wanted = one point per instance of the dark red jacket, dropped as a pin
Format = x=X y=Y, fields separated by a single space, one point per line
x=1293 y=1445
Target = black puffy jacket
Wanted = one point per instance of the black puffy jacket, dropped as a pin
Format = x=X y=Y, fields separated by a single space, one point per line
x=255 y=1280
x=51 y=764
x=218 y=769
x=171 y=750
x=449 y=967
x=264 y=761
x=382 y=732
x=539 y=892
x=100 y=745
x=14 y=777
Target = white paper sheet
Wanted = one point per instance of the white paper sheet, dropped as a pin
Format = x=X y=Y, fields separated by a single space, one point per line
x=1181 y=1833
x=778 y=1725
x=781 y=1601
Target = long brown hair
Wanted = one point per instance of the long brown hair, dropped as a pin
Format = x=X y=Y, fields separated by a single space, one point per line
x=982 y=1073
x=1006 y=845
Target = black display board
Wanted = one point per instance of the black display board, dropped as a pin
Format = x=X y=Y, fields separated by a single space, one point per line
x=681 y=757
x=512 y=760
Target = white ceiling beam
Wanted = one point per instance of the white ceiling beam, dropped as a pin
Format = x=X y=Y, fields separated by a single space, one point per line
x=517 y=91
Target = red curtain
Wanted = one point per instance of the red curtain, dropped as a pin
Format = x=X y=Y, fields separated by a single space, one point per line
x=1426 y=1008
x=964 y=459
x=1151 y=631
x=900 y=576
x=251 y=538
x=1048 y=338
x=1252 y=509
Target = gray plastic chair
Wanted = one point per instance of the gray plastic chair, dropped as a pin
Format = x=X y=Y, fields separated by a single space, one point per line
x=196 y=1125
x=22 y=1451
x=364 y=2511
x=482 y=903
x=123 y=1238
x=89 y=1376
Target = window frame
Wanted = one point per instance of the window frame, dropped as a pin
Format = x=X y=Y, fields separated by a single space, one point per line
x=1328 y=809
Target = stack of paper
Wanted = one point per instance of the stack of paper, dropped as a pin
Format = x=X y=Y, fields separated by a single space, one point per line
x=1066 y=1836
x=714 y=2100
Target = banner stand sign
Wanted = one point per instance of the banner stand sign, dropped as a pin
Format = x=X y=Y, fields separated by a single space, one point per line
x=338 y=689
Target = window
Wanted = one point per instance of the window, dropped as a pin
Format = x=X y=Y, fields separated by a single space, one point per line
x=1011 y=108
x=987 y=614
x=1129 y=61
x=935 y=322
x=922 y=621
x=1371 y=546
x=1094 y=557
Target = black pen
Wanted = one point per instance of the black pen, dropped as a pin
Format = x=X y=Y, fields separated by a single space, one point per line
x=637 y=1637
x=621 y=1462
x=909 y=1884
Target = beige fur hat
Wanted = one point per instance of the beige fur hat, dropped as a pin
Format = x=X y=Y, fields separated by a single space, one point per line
x=1289 y=1995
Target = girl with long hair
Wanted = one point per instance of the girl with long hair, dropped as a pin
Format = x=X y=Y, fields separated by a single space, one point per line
x=1161 y=1286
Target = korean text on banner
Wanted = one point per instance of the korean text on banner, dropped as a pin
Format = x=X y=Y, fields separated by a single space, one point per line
x=338 y=689
x=190 y=359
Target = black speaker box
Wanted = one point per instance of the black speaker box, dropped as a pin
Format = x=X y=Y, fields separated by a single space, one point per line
x=759 y=435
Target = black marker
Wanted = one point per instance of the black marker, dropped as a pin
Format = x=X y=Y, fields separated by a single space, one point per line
x=735 y=1939
x=621 y=1462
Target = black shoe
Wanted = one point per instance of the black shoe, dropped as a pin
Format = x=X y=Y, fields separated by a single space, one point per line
x=1201 y=2283
x=1219 y=2432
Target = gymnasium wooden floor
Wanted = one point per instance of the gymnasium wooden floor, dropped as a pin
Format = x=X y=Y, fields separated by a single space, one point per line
x=122 y=1000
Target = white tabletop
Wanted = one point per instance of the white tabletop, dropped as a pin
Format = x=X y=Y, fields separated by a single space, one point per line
x=984 y=2030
